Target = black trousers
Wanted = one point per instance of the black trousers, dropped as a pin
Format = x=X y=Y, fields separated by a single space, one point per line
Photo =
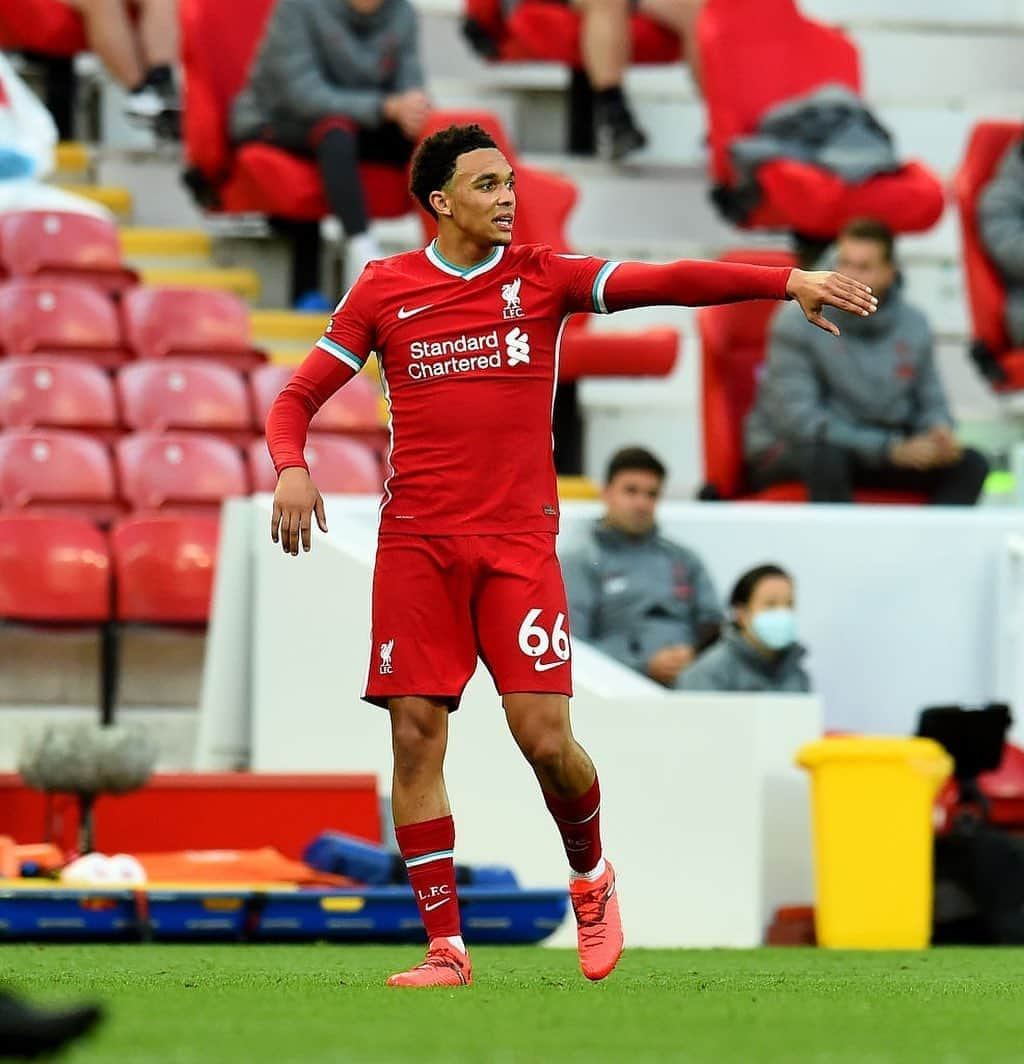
x=338 y=145
x=831 y=474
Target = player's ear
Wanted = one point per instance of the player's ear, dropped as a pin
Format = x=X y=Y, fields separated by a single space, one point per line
x=441 y=203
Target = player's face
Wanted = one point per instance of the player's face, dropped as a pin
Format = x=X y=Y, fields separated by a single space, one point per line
x=482 y=196
x=865 y=261
x=631 y=499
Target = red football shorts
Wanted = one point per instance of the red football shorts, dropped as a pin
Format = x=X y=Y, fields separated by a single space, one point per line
x=439 y=602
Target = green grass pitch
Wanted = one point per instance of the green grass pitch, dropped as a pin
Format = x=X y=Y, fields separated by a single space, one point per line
x=324 y=1003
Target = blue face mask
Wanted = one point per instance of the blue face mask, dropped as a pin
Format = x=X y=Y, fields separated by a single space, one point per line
x=775 y=628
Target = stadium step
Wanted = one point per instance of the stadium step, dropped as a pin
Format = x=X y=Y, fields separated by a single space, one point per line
x=242 y=282
x=141 y=242
x=115 y=198
x=277 y=328
x=72 y=159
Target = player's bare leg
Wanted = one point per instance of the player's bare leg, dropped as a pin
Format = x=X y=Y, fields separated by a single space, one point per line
x=541 y=727
x=426 y=837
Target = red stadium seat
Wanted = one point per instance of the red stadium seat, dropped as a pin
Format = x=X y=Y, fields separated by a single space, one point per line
x=986 y=293
x=733 y=342
x=178 y=471
x=758 y=53
x=53 y=570
x=643 y=353
x=355 y=410
x=64 y=472
x=59 y=245
x=50 y=27
x=194 y=322
x=337 y=465
x=60 y=318
x=164 y=568
x=58 y=393
x=218 y=43
x=185 y=394
x=538 y=29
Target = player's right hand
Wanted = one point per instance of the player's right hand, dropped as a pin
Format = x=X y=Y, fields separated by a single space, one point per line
x=295 y=501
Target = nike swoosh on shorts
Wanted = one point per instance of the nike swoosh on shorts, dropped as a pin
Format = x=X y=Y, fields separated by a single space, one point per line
x=403 y=313
x=543 y=666
x=436 y=905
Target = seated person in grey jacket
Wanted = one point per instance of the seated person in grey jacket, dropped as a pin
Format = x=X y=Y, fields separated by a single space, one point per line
x=864 y=410
x=1001 y=226
x=758 y=651
x=644 y=600
x=340 y=81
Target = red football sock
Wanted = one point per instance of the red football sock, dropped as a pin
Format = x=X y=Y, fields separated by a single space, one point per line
x=428 y=849
x=579 y=822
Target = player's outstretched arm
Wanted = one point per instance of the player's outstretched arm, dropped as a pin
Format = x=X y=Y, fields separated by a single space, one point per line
x=295 y=501
x=814 y=290
x=702 y=284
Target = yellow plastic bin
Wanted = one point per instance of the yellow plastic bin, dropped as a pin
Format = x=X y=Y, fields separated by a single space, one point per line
x=872 y=801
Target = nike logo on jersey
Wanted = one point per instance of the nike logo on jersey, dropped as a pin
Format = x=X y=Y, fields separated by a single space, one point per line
x=544 y=666
x=430 y=907
x=403 y=313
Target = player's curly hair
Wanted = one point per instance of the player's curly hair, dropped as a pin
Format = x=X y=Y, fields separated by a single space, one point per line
x=434 y=162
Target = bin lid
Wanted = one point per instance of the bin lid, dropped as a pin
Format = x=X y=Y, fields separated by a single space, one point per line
x=925 y=754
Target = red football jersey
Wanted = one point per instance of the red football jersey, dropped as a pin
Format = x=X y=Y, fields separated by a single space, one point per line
x=469 y=360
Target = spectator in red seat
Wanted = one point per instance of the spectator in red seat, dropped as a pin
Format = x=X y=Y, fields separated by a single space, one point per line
x=139 y=54
x=605 y=46
x=338 y=80
x=866 y=410
x=758 y=651
x=1001 y=222
x=637 y=596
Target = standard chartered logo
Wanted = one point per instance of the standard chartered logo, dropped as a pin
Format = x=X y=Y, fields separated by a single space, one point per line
x=517 y=346
x=465 y=354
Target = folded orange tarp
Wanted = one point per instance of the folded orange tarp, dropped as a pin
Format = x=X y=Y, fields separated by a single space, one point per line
x=266 y=865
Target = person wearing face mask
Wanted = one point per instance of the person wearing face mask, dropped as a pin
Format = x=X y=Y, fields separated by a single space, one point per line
x=639 y=597
x=866 y=410
x=758 y=651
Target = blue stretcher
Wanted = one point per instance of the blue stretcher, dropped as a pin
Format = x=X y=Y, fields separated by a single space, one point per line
x=37 y=912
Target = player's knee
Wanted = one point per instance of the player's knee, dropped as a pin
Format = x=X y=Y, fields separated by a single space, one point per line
x=419 y=737
x=545 y=749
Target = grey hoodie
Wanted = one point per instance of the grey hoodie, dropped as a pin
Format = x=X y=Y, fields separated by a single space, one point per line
x=633 y=595
x=320 y=58
x=734 y=664
x=861 y=391
x=1001 y=222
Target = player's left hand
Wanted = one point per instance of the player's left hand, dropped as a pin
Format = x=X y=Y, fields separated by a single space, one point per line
x=816 y=289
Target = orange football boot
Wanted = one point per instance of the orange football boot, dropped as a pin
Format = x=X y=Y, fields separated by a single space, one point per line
x=444 y=966
x=598 y=923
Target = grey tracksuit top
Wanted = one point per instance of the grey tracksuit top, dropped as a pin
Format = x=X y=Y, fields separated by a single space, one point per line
x=1001 y=222
x=320 y=58
x=733 y=664
x=632 y=595
x=861 y=391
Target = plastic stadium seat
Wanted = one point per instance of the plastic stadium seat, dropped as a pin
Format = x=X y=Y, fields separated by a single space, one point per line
x=355 y=409
x=59 y=245
x=164 y=568
x=57 y=393
x=50 y=27
x=195 y=322
x=338 y=466
x=758 y=53
x=986 y=293
x=65 y=472
x=185 y=394
x=60 y=318
x=53 y=570
x=218 y=43
x=545 y=200
x=641 y=353
x=178 y=471
x=538 y=29
x=733 y=345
